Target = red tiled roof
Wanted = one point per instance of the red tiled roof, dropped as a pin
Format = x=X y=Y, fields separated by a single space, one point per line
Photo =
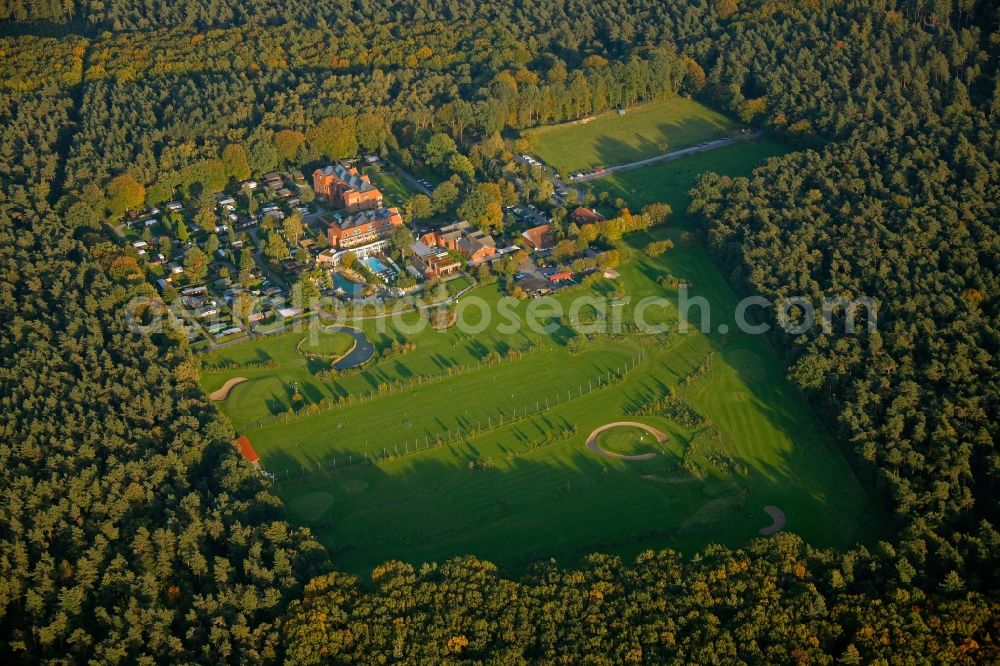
x=586 y=215
x=243 y=444
x=539 y=237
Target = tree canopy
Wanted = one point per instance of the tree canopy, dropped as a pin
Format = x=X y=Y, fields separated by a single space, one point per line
x=133 y=532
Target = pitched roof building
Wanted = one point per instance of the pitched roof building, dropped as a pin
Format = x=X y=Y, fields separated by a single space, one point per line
x=559 y=277
x=246 y=449
x=585 y=216
x=462 y=237
x=539 y=238
x=361 y=228
x=346 y=188
x=433 y=262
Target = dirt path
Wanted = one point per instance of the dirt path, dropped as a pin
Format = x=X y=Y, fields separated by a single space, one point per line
x=596 y=448
x=777 y=520
x=672 y=155
x=223 y=392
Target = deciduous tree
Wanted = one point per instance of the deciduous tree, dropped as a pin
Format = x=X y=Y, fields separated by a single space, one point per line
x=235 y=162
x=124 y=193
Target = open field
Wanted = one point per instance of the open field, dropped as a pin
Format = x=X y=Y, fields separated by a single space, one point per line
x=625 y=439
x=530 y=488
x=326 y=344
x=275 y=364
x=476 y=443
x=523 y=491
x=671 y=181
x=644 y=131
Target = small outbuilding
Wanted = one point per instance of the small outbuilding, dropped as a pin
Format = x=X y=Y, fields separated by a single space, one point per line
x=245 y=448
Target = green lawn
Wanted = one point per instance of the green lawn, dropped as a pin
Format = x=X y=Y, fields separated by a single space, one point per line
x=456 y=481
x=509 y=496
x=644 y=131
x=330 y=345
x=630 y=441
x=670 y=181
x=394 y=189
x=438 y=353
x=456 y=285
x=522 y=491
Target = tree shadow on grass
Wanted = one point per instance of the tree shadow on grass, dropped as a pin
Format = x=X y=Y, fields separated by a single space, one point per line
x=560 y=333
x=311 y=392
x=442 y=362
x=434 y=505
x=275 y=405
x=477 y=350
x=338 y=390
x=637 y=398
x=370 y=378
x=704 y=130
x=315 y=364
x=605 y=287
x=611 y=151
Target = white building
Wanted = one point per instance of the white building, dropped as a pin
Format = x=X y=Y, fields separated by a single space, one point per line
x=333 y=256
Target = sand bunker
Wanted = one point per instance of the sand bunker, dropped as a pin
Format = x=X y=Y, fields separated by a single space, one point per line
x=223 y=392
x=596 y=448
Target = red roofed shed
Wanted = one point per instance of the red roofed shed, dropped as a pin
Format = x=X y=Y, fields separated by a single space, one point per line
x=559 y=277
x=243 y=444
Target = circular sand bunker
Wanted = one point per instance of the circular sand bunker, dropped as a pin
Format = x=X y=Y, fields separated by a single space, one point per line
x=594 y=446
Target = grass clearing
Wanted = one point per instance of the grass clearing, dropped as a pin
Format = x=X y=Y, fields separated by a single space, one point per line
x=630 y=441
x=644 y=131
x=671 y=181
x=529 y=488
x=329 y=345
x=394 y=189
x=526 y=490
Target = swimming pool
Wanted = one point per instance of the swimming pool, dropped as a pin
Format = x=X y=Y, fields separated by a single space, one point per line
x=374 y=264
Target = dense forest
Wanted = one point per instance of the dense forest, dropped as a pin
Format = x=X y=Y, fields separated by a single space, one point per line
x=131 y=530
x=772 y=603
x=130 y=525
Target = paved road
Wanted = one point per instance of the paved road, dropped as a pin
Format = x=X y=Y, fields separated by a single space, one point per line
x=672 y=155
x=529 y=267
x=258 y=256
x=535 y=218
x=411 y=180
